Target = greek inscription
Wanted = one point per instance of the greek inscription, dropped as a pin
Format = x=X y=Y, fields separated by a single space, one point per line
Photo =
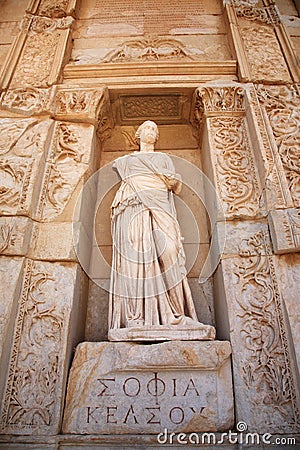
x=153 y=419
x=131 y=387
x=130 y=415
x=104 y=384
x=90 y=413
x=110 y=416
x=191 y=387
x=176 y=415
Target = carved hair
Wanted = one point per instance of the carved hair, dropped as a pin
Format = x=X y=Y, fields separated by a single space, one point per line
x=139 y=130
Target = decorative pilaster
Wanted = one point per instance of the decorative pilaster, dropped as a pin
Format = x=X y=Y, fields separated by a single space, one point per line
x=265 y=372
x=229 y=158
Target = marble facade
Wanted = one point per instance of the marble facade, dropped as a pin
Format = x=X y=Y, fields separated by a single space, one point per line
x=221 y=79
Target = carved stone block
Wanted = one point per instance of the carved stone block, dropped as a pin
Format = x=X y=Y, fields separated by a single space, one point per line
x=22 y=155
x=80 y=104
x=70 y=160
x=15 y=233
x=285 y=230
x=127 y=388
x=46 y=329
x=265 y=380
x=28 y=101
x=10 y=286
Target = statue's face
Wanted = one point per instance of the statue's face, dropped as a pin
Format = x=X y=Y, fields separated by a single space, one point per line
x=149 y=133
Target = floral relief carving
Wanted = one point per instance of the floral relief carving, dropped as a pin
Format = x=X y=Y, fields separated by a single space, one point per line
x=266 y=367
x=263 y=52
x=38 y=25
x=38 y=73
x=235 y=169
x=63 y=170
x=282 y=105
x=151 y=49
x=7 y=237
x=27 y=100
x=53 y=8
x=250 y=11
x=221 y=99
x=21 y=147
x=31 y=390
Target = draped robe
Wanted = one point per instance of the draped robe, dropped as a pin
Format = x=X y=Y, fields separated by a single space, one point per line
x=148 y=285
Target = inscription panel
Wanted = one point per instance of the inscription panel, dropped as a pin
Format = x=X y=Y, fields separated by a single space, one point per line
x=146 y=393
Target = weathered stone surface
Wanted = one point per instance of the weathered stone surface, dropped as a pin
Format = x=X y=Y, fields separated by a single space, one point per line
x=128 y=388
x=285 y=230
x=48 y=324
x=10 y=286
x=265 y=378
x=15 y=234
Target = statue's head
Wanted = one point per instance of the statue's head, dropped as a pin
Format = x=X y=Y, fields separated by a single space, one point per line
x=147 y=132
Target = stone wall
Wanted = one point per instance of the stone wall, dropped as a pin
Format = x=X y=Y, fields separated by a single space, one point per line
x=222 y=82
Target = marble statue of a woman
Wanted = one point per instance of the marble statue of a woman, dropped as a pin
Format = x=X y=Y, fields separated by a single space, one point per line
x=150 y=298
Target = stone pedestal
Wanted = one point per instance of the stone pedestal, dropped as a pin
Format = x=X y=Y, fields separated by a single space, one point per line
x=129 y=388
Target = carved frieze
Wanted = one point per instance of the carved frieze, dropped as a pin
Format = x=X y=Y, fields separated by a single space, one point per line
x=264 y=56
x=69 y=160
x=266 y=368
x=33 y=394
x=44 y=51
x=164 y=108
x=21 y=149
x=151 y=49
x=282 y=106
x=53 y=8
x=27 y=101
x=7 y=237
x=250 y=11
x=285 y=230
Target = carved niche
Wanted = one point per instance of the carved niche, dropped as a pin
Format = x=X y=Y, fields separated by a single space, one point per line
x=232 y=157
x=266 y=368
x=282 y=107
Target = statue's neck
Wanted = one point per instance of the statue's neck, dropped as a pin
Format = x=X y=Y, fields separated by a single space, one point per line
x=144 y=147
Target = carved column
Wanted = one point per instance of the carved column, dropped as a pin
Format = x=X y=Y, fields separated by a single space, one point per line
x=246 y=171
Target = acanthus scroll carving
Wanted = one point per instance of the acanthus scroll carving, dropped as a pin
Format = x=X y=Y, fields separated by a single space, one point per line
x=235 y=169
x=250 y=11
x=63 y=170
x=210 y=101
x=263 y=52
x=266 y=369
x=282 y=105
x=30 y=394
x=21 y=147
x=7 y=237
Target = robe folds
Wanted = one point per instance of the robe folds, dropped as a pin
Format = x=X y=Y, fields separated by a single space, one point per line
x=148 y=285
